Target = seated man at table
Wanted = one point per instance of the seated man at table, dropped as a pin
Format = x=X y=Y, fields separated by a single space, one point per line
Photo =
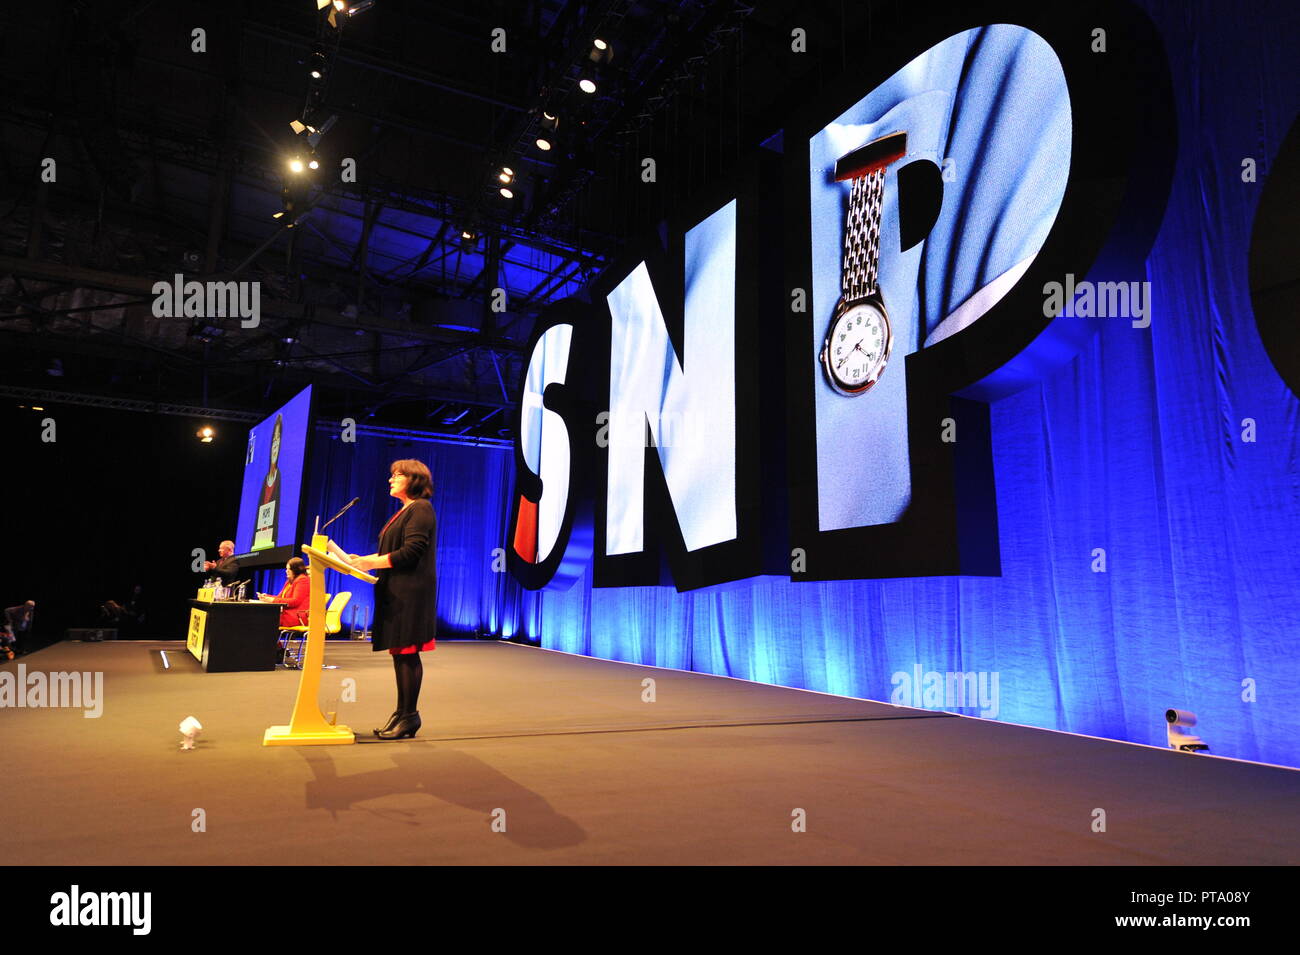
x=295 y=595
x=227 y=568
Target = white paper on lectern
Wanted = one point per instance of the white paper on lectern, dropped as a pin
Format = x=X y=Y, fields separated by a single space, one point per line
x=337 y=552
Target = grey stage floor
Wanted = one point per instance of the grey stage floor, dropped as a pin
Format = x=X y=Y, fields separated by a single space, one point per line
x=563 y=750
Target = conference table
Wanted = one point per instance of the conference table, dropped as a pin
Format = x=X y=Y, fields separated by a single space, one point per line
x=229 y=636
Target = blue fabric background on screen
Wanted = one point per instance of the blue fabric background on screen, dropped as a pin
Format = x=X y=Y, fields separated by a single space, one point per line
x=1135 y=447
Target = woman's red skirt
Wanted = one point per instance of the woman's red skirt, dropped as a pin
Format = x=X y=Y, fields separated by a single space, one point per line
x=432 y=644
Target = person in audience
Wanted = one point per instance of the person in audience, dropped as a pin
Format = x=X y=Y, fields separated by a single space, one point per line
x=18 y=621
x=111 y=613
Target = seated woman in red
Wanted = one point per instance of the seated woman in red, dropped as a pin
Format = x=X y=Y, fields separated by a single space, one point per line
x=296 y=595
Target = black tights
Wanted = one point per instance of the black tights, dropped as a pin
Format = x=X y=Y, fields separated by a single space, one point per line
x=410 y=672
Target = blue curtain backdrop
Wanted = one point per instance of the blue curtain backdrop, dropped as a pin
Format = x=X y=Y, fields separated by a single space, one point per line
x=471 y=494
x=1135 y=447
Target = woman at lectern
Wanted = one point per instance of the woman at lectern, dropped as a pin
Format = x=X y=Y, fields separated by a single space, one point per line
x=295 y=595
x=406 y=596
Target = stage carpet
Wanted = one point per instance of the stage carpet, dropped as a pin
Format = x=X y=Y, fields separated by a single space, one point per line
x=563 y=753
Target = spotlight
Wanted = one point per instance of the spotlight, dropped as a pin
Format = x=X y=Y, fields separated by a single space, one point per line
x=206 y=434
x=549 y=121
x=507 y=192
x=587 y=84
x=361 y=7
x=468 y=240
x=317 y=65
x=543 y=144
x=314 y=164
x=601 y=52
x=296 y=164
x=313 y=134
x=506 y=174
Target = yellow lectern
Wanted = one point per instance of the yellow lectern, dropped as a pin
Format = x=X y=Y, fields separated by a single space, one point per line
x=308 y=726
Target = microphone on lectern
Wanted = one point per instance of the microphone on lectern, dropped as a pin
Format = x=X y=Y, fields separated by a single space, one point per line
x=340 y=513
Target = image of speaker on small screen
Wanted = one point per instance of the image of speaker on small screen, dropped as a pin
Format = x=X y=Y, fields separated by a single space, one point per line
x=268 y=505
x=273 y=472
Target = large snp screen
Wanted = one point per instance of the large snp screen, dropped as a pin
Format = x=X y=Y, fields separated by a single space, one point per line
x=273 y=470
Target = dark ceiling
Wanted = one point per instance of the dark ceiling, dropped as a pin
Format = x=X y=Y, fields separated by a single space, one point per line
x=172 y=160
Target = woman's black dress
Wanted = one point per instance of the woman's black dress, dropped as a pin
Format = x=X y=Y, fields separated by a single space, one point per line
x=406 y=597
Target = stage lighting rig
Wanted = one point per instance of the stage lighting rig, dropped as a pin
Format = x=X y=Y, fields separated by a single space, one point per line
x=311 y=133
x=548 y=125
x=342 y=6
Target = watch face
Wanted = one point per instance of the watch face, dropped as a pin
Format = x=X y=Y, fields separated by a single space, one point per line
x=857 y=346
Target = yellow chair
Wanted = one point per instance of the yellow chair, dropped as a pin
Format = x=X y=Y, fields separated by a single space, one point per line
x=333 y=624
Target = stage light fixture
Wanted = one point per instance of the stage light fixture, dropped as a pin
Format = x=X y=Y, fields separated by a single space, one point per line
x=317 y=65
x=587 y=85
x=507 y=192
x=601 y=52
x=506 y=174
x=543 y=144
x=313 y=164
x=312 y=134
x=296 y=165
x=206 y=434
x=360 y=7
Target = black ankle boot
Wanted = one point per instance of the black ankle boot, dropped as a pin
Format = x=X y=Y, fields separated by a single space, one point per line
x=408 y=725
x=392 y=721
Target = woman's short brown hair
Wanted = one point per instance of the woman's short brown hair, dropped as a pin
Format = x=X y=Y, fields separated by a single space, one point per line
x=297 y=566
x=419 y=482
